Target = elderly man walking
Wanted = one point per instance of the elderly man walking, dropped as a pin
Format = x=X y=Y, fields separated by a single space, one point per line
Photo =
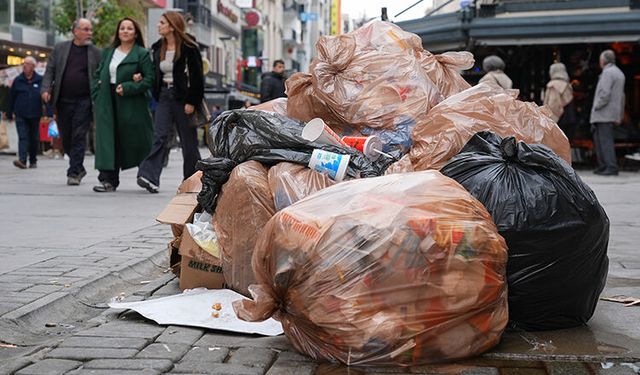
x=607 y=111
x=66 y=84
x=25 y=103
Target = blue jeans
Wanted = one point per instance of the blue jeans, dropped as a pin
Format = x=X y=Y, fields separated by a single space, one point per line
x=74 y=119
x=28 y=138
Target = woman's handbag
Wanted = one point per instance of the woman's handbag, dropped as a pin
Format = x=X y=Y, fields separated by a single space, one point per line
x=200 y=116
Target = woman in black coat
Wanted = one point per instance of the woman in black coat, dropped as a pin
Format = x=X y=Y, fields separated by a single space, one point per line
x=177 y=88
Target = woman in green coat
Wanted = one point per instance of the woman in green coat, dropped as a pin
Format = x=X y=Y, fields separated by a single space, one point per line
x=124 y=131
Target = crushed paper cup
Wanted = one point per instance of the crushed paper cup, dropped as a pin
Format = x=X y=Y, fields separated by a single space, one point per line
x=317 y=131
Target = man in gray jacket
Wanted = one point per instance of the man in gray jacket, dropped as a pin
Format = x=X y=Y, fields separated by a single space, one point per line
x=607 y=111
x=67 y=86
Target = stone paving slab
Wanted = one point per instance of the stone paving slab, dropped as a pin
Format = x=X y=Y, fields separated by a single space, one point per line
x=160 y=365
x=196 y=351
x=91 y=353
x=113 y=372
x=253 y=357
x=172 y=352
x=180 y=335
x=51 y=367
x=104 y=342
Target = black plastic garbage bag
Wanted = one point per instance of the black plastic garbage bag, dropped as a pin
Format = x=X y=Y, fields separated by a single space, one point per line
x=215 y=173
x=269 y=138
x=556 y=231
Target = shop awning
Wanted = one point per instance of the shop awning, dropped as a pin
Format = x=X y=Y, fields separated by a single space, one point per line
x=455 y=31
x=566 y=29
x=439 y=33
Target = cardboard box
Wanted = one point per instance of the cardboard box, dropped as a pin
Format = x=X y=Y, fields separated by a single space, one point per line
x=197 y=267
x=181 y=208
x=194 y=266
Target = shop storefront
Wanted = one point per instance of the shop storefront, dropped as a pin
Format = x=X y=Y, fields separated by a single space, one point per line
x=530 y=36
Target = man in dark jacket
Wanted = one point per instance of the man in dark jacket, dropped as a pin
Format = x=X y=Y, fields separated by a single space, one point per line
x=25 y=103
x=272 y=86
x=66 y=86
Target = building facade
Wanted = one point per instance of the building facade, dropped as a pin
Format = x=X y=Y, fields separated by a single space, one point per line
x=26 y=29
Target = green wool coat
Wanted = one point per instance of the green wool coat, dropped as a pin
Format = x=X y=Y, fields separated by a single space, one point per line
x=130 y=127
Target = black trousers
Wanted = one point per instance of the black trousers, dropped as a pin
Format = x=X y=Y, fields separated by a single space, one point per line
x=169 y=114
x=74 y=120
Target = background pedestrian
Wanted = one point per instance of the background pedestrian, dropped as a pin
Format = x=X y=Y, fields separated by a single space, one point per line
x=26 y=104
x=607 y=111
x=494 y=66
x=66 y=85
x=124 y=130
x=558 y=97
x=272 y=84
x=178 y=87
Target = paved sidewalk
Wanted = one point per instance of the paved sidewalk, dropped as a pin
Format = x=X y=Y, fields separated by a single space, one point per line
x=67 y=251
x=73 y=285
x=126 y=343
x=129 y=344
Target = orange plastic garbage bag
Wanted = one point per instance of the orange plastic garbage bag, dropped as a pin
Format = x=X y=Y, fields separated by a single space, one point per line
x=278 y=106
x=452 y=123
x=403 y=269
x=291 y=182
x=444 y=70
x=244 y=207
x=368 y=78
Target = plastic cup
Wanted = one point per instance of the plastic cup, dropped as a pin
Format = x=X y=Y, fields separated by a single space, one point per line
x=369 y=146
x=317 y=131
x=329 y=163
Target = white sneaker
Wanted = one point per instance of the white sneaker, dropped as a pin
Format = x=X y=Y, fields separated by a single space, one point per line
x=634 y=156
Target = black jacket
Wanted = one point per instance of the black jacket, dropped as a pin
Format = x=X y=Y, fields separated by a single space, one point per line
x=189 y=56
x=57 y=64
x=272 y=87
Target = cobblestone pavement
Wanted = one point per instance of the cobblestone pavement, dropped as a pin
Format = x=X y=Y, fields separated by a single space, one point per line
x=116 y=342
x=129 y=344
x=74 y=281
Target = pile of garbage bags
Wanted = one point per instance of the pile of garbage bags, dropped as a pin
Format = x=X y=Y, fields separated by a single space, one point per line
x=469 y=217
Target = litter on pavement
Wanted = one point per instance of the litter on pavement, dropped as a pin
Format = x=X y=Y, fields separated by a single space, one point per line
x=194 y=308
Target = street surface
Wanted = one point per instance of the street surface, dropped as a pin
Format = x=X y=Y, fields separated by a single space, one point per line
x=67 y=251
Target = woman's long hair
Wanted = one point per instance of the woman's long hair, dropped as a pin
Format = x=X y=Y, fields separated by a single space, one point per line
x=139 y=40
x=176 y=21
